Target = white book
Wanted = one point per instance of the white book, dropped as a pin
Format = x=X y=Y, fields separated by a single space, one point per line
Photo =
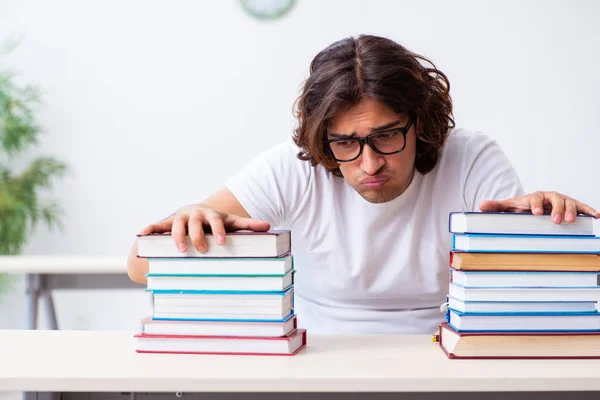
x=221 y=266
x=568 y=322
x=282 y=300
x=517 y=223
x=219 y=328
x=220 y=283
x=525 y=243
x=275 y=243
x=219 y=315
x=246 y=307
x=524 y=278
x=523 y=294
x=516 y=307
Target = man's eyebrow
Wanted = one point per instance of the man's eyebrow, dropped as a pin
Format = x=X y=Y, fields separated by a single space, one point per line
x=341 y=135
x=375 y=129
x=386 y=126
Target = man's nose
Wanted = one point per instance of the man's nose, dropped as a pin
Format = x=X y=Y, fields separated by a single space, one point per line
x=371 y=161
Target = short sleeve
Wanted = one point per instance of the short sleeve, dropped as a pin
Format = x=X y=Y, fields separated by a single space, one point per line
x=487 y=173
x=272 y=187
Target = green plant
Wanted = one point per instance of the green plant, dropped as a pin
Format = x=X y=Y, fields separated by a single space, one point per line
x=21 y=202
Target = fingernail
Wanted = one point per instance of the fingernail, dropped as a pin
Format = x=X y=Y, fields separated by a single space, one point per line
x=538 y=210
x=570 y=217
x=556 y=218
x=181 y=247
x=201 y=248
x=220 y=239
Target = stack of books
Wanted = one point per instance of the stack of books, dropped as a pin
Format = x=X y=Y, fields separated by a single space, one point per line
x=235 y=298
x=522 y=286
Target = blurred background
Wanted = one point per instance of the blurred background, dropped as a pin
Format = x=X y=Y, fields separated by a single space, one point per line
x=152 y=105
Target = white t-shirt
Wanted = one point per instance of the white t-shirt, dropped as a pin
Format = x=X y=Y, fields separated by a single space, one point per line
x=372 y=268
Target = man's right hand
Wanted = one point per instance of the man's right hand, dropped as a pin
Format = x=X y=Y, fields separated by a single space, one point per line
x=194 y=219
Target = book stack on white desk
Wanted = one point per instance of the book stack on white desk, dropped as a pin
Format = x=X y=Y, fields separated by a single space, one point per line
x=522 y=286
x=234 y=298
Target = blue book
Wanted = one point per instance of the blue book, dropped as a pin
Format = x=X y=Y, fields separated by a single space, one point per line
x=540 y=322
x=521 y=307
x=523 y=294
x=194 y=306
x=485 y=243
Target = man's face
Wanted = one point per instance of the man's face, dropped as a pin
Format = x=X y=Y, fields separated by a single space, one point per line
x=376 y=177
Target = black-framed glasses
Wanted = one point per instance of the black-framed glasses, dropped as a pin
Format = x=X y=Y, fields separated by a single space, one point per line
x=386 y=142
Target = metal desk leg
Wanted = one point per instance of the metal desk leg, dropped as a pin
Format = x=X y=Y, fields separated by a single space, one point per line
x=32 y=291
x=46 y=295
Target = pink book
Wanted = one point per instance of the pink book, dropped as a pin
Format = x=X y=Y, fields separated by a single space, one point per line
x=288 y=345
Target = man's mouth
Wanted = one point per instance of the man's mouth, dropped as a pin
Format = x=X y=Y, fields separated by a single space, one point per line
x=374 y=182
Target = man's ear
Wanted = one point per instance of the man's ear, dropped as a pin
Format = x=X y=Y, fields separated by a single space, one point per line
x=418 y=128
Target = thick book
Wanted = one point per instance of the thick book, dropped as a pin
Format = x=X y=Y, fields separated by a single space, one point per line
x=226 y=345
x=223 y=283
x=221 y=266
x=518 y=307
x=524 y=278
x=523 y=294
x=151 y=326
x=513 y=223
x=516 y=323
x=274 y=243
x=199 y=306
x=524 y=261
x=518 y=345
x=525 y=243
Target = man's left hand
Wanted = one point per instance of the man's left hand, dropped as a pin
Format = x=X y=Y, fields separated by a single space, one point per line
x=563 y=208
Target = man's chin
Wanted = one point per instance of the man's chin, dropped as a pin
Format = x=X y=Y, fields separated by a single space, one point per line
x=377 y=196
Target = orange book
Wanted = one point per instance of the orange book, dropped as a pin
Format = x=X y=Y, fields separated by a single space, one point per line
x=523 y=345
x=524 y=261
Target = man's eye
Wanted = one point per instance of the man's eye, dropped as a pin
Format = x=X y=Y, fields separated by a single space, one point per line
x=387 y=135
x=343 y=143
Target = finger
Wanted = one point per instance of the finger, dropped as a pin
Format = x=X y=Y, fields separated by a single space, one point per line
x=495 y=205
x=196 y=232
x=178 y=231
x=570 y=210
x=536 y=203
x=233 y=222
x=158 y=227
x=557 y=201
x=585 y=209
x=217 y=227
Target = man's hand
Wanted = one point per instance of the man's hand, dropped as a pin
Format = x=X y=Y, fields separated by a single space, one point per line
x=563 y=208
x=193 y=219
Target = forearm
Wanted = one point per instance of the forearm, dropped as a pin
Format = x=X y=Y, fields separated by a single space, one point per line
x=224 y=201
x=137 y=267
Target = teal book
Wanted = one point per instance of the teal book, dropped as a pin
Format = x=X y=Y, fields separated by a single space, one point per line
x=220 y=283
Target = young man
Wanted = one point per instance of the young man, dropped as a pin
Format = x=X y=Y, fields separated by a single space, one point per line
x=366 y=184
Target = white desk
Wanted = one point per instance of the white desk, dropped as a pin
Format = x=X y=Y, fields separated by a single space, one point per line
x=46 y=273
x=89 y=361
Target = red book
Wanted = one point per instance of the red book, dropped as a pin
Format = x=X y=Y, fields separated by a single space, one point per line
x=521 y=345
x=231 y=345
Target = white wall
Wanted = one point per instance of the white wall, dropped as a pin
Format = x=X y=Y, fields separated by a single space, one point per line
x=153 y=104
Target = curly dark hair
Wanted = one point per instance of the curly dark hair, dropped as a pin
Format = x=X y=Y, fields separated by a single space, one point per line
x=375 y=67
